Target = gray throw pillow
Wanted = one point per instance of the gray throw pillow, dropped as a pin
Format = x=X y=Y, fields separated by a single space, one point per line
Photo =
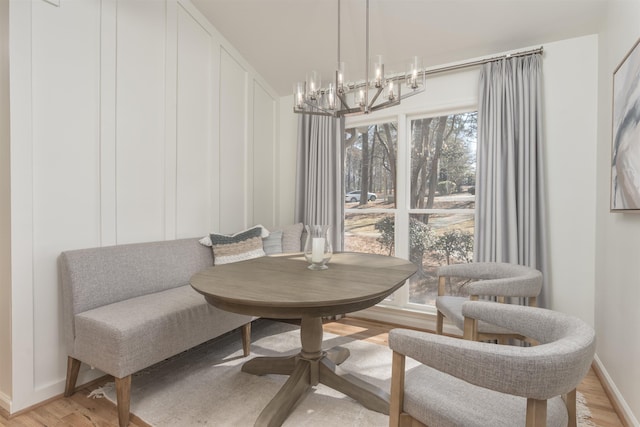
x=241 y=246
x=291 y=238
x=273 y=243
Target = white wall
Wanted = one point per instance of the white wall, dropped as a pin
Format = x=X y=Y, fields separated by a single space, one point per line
x=117 y=136
x=570 y=120
x=617 y=262
x=5 y=209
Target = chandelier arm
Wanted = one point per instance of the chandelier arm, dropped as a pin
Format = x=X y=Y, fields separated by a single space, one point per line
x=315 y=109
x=386 y=105
x=413 y=92
x=314 y=113
x=378 y=92
x=343 y=100
x=347 y=112
x=420 y=89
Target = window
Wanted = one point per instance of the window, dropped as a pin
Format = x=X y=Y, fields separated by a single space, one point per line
x=370 y=182
x=411 y=193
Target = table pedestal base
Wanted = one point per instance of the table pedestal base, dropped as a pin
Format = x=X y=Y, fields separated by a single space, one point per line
x=310 y=367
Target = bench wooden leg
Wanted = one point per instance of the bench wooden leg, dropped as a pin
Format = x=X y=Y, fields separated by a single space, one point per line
x=73 y=367
x=246 y=339
x=123 y=398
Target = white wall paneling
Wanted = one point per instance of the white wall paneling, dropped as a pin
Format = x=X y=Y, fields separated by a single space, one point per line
x=22 y=390
x=170 y=120
x=194 y=78
x=140 y=117
x=117 y=113
x=66 y=160
x=234 y=144
x=286 y=161
x=264 y=157
x=108 y=39
x=5 y=211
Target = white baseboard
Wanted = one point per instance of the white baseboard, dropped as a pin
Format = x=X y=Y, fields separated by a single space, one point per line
x=46 y=392
x=620 y=405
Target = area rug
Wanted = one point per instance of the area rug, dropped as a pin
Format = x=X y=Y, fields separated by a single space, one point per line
x=205 y=386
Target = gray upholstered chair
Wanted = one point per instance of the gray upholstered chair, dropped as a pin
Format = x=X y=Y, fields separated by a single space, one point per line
x=485 y=279
x=468 y=383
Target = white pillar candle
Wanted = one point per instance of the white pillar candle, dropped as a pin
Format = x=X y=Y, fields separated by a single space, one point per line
x=317 y=250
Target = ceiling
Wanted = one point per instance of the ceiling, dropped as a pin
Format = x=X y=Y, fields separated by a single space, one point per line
x=285 y=39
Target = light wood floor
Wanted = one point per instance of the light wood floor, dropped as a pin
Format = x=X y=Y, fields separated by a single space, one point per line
x=80 y=411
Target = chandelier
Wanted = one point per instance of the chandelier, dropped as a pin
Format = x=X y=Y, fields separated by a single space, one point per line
x=341 y=98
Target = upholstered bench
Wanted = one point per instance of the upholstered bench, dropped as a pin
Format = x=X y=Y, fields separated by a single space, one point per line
x=130 y=306
x=127 y=307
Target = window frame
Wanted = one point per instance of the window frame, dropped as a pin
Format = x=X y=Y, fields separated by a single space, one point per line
x=400 y=303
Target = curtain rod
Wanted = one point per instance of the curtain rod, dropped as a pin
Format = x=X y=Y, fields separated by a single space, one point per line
x=481 y=61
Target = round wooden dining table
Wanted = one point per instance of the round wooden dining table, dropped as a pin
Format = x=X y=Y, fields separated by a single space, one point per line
x=282 y=287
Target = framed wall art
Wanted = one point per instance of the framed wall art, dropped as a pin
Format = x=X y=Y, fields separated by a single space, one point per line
x=625 y=134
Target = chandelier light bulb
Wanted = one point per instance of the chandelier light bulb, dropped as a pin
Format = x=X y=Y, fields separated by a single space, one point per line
x=414 y=67
x=340 y=77
x=390 y=93
x=299 y=94
x=379 y=69
x=313 y=84
x=331 y=97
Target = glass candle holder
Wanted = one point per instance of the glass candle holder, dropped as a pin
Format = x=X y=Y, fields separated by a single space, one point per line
x=317 y=248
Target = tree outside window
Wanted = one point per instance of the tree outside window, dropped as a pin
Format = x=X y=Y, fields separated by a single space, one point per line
x=370 y=184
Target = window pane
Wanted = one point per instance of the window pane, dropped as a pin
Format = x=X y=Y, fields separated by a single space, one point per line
x=368 y=233
x=437 y=239
x=370 y=166
x=443 y=162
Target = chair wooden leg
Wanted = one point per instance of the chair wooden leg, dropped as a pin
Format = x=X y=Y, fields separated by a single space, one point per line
x=73 y=367
x=442 y=281
x=123 y=398
x=246 y=339
x=439 y=322
x=470 y=329
x=407 y=420
x=570 y=400
x=536 y=413
x=397 y=389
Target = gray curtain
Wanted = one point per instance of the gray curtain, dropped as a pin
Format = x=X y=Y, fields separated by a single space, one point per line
x=510 y=199
x=319 y=188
